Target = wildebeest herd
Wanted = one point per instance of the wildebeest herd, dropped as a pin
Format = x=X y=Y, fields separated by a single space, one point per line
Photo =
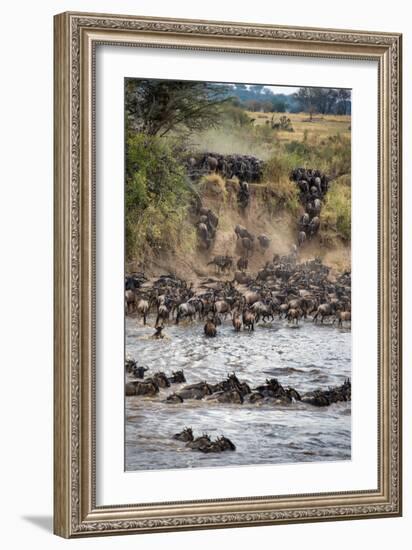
x=283 y=288
x=206 y=225
x=230 y=390
x=313 y=186
x=244 y=167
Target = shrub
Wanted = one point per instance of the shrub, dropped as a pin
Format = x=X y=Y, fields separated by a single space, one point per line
x=332 y=155
x=156 y=197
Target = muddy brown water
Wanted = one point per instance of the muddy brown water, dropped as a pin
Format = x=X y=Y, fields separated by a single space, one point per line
x=306 y=358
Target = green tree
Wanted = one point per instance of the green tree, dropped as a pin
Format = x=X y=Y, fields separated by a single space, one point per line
x=157 y=107
x=343 y=101
x=308 y=99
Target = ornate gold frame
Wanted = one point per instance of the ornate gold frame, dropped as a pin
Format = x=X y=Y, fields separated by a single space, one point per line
x=75 y=510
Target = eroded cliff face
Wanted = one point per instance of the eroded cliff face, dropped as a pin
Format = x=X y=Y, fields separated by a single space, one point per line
x=266 y=214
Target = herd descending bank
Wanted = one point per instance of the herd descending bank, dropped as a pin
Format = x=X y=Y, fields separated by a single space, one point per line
x=313 y=186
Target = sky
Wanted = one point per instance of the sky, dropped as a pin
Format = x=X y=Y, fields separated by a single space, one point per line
x=283 y=89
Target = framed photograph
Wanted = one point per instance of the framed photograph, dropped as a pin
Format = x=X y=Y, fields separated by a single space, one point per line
x=227 y=274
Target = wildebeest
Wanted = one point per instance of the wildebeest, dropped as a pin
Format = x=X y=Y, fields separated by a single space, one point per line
x=250 y=297
x=130 y=300
x=232 y=382
x=242 y=263
x=143 y=308
x=204 y=443
x=314 y=191
x=186 y=435
x=222 y=263
x=200 y=442
x=264 y=241
x=195 y=391
x=304 y=221
x=342 y=316
x=323 y=398
x=130 y=389
x=243 y=194
x=158 y=335
x=161 y=379
x=314 y=225
x=248 y=319
x=236 y=321
x=303 y=186
x=273 y=389
x=263 y=310
x=294 y=314
x=242 y=232
x=283 y=310
x=318 y=184
x=163 y=314
x=212 y=218
x=221 y=307
x=138 y=372
x=317 y=205
x=129 y=365
x=147 y=387
x=324 y=310
x=227 y=396
x=210 y=328
x=185 y=310
x=241 y=277
x=177 y=377
x=225 y=444
x=211 y=164
x=301 y=238
x=203 y=234
x=247 y=244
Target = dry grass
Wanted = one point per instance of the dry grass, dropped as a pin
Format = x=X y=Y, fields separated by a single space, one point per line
x=321 y=127
x=336 y=214
x=213 y=184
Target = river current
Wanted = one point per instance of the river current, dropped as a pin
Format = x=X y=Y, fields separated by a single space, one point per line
x=306 y=358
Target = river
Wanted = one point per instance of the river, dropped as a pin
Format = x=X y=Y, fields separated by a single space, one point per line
x=307 y=357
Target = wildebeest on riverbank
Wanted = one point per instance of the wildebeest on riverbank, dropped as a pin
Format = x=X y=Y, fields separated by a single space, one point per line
x=283 y=288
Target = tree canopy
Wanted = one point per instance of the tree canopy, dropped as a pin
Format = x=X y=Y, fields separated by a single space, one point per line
x=308 y=99
x=156 y=107
x=324 y=100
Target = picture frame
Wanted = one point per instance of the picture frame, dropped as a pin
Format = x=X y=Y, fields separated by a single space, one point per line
x=76 y=511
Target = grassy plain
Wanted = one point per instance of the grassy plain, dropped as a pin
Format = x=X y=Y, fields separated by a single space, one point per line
x=321 y=126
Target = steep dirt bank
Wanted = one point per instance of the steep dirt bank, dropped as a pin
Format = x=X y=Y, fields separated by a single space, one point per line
x=263 y=215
